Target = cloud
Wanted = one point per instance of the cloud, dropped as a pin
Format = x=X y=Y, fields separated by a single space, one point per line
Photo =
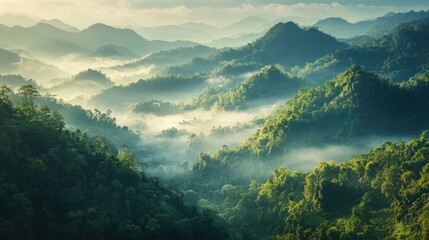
x=220 y=13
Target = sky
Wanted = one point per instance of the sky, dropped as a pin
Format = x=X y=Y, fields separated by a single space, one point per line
x=82 y=13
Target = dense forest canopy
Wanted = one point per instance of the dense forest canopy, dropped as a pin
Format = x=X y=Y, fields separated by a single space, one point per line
x=63 y=184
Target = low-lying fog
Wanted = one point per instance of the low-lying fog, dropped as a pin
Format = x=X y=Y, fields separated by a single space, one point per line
x=174 y=141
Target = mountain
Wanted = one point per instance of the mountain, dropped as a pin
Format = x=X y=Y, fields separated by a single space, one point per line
x=164 y=87
x=100 y=34
x=355 y=105
x=247 y=25
x=397 y=55
x=12 y=19
x=199 y=26
x=14 y=82
x=285 y=43
x=83 y=84
x=13 y=63
x=59 y=24
x=37 y=39
x=113 y=51
x=268 y=85
x=58 y=184
x=171 y=57
x=235 y=42
x=51 y=41
x=204 y=33
x=92 y=123
x=189 y=32
x=341 y=28
x=290 y=45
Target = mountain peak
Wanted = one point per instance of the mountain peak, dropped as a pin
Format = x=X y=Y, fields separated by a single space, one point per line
x=299 y=44
x=99 y=26
x=332 y=20
x=59 y=24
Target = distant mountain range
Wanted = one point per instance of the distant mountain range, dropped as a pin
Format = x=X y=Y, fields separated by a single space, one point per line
x=341 y=28
x=12 y=19
x=44 y=39
x=233 y=35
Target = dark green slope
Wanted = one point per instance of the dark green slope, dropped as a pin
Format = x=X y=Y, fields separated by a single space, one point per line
x=382 y=194
x=357 y=103
x=58 y=184
x=286 y=44
x=397 y=55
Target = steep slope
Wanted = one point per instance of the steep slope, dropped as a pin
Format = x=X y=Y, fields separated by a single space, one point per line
x=398 y=55
x=268 y=85
x=357 y=103
x=285 y=43
x=61 y=184
x=341 y=28
x=100 y=34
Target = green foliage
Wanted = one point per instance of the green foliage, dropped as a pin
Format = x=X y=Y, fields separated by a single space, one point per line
x=93 y=123
x=269 y=84
x=58 y=184
x=156 y=107
x=285 y=43
x=93 y=75
x=396 y=56
x=356 y=103
x=382 y=194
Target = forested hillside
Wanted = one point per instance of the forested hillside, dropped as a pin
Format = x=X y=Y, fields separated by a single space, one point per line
x=268 y=85
x=61 y=184
x=286 y=44
x=354 y=105
x=397 y=55
x=382 y=194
